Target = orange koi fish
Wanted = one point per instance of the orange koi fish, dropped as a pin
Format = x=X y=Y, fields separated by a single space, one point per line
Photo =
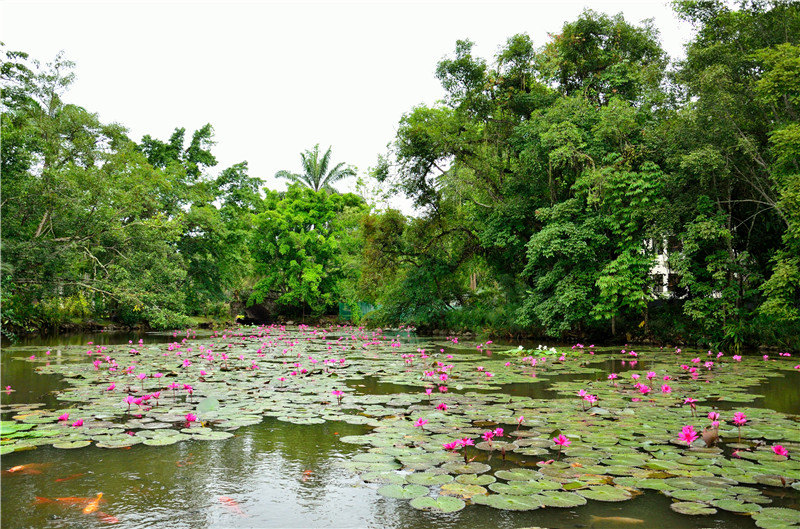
x=72 y=500
x=92 y=507
x=30 y=468
x=73 y=476
x=107 y=518
x=232 y=505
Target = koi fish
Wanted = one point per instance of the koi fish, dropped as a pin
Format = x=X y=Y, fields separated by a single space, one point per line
x=73 y=476
x=30 y=468
x=232 y=505
x=92 y=507
x=107 y=518
x=615 y=520
x=66 y=501
x=306 y=475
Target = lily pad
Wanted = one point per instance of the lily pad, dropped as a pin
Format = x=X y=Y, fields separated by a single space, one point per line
x=462 y=490
x=429 y=478
x=692 y=508
x=736 y=506
x=70 y=445
x=551 y=498
x=475 y=479
x=508 y=503
x=469 y=468
x=777 y=517
x=605 y=493
x=384 y=477
x=444 y=504
x=401 y=492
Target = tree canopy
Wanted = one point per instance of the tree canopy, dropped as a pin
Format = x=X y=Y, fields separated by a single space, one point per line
x=581 y=187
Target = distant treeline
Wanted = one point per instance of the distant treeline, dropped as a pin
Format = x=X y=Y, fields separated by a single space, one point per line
x=549 y=183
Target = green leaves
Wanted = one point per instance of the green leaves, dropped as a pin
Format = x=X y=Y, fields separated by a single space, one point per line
x=298 y=248
x=316 y=175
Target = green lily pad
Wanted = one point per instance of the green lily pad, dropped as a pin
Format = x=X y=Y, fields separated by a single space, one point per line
x=475 y=479
x=70 y=445
x=551 y=498
x=401 y=492
x=165 y=440
x=692 y=508
x=705 y=495
x=605 y=493
x=429 y=478
x=522 y=488
x=469 y=468
x=213 y=435
x=462 y=490
x=444 y=504
x=518 y=474
x=777 y=517
x=384 y=477
x=736 y=506
x=508 y=503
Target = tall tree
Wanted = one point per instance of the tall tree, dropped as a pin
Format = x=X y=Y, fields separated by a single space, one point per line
x=316 y=174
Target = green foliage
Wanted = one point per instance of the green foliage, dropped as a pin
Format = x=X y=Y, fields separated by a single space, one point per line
x=316 y=175
x=600 y=57
x=548 y=182
x=297 y=248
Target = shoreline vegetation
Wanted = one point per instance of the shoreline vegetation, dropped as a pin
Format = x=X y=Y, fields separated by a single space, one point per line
x=583 y=188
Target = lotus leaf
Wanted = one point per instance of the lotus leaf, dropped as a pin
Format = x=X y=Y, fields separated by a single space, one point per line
x=508 y=503
x=605 y=493
x=429 y=478
x=444 y=504
x=692 y=508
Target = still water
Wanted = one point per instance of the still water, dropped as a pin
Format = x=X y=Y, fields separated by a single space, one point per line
x=275 y=474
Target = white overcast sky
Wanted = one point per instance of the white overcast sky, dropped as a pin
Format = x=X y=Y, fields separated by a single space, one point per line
x=274 y=78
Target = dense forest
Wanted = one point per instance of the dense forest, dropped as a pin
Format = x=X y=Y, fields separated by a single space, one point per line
x=585 y=188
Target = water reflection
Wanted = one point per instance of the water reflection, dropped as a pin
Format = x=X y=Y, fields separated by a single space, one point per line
x=280 y=475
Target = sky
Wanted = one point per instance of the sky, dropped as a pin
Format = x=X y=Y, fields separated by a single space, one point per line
x=275 y=78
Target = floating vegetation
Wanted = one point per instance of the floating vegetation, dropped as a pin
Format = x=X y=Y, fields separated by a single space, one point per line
x=440 y=430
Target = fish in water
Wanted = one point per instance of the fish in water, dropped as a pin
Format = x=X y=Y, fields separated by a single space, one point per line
x=73 y=476
x=72 y=500
x=92 y=507
x=232 y=505
x=107 y=518
x=614 y=520
x=30 y=468
x=306 y=475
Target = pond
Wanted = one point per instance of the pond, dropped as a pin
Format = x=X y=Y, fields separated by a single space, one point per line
x=248 y=428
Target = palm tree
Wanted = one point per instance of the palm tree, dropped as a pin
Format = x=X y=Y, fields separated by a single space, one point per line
x=315 y=171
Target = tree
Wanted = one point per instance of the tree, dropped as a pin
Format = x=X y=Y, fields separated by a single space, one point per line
x=601 y=57
x=316 y=175
x=297 y=248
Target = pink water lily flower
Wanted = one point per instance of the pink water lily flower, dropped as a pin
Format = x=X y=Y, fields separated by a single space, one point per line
x=77 y=423
x=562 y=440
x=420 y=423
x=191 y=417
x=688 y=434
x=780 y=450
x=739 y=418
x=64 y=417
